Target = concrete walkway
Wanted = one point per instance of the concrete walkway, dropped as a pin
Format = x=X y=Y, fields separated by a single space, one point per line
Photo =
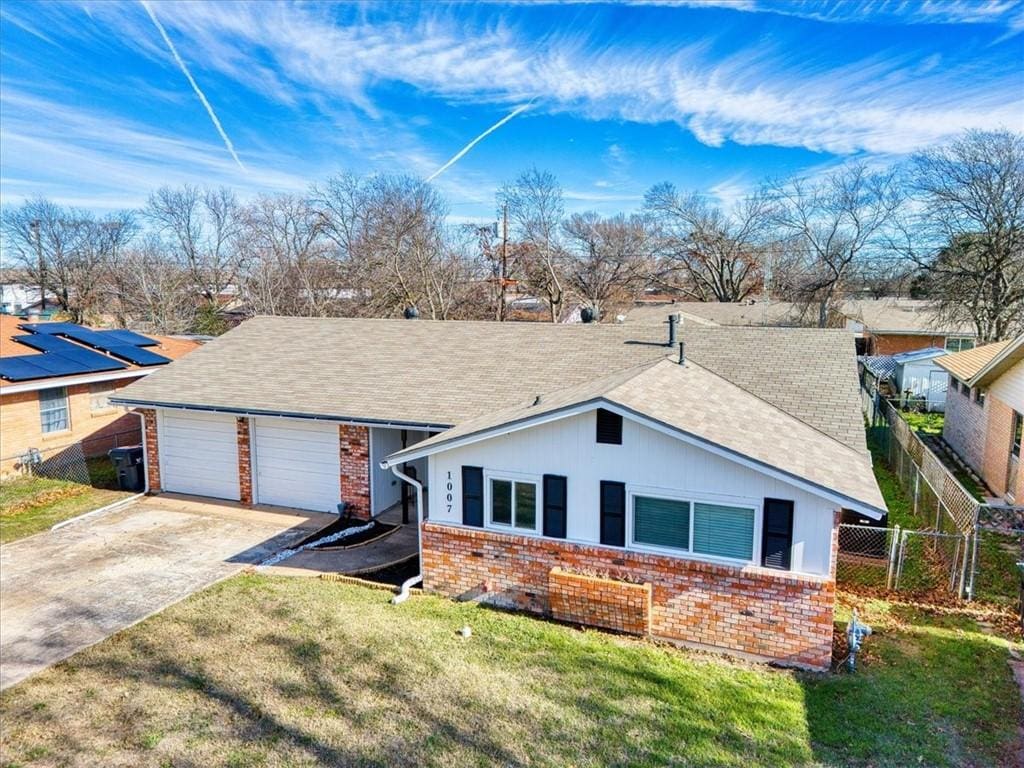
x=64 y=590
x=361 y=558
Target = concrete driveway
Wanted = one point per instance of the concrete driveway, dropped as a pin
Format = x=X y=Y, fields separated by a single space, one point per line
x=67 y=589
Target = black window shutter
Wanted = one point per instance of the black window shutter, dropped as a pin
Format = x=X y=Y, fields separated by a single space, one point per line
x=613 y=513
x=609 y=427
x=554 y=506
x=777 y=534
x=473 y=496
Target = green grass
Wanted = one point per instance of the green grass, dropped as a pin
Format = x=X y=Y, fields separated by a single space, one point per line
x=29 y=505
x=274 y=671
x=927 y=423
x=998 y=580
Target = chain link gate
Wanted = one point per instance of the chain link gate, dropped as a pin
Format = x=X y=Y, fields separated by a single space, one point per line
x=900 y=560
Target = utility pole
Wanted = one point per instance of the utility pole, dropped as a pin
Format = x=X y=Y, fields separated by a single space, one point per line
x=34 y=225
x=504 y=260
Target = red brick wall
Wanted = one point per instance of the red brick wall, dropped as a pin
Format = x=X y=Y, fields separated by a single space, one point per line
x=892 y=345
x=997 y=447
x=964 y=427
x=152 y=450
x=618 y=605
x=355 y=469
x=768 y=614
x=244 y=460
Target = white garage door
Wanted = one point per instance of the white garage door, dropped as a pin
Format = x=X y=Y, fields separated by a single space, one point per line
x=199 y=453
x=297 y=464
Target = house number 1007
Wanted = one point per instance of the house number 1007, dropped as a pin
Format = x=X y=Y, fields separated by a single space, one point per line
x=448 y=489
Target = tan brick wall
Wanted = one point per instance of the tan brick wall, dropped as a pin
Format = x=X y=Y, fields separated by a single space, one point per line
x=355 y=468
x=771 y=615
x=997 y=450
x=20 y=427
x=964 y=427
x=884 y=344
x=244 y=460
x=617 y=605
x=152 y=450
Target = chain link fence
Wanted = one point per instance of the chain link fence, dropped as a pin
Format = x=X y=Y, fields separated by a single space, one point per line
x=84 y=462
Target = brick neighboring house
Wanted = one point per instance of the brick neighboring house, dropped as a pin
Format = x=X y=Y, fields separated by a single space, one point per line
x=56 y=411
x=578 y=471
x=985 y=413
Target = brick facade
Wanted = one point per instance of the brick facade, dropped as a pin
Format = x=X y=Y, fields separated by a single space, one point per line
x=244 y=461
x=152 y=450
x=964 y=427
x=95 y=429
x=770 y=615
x=355 y=469
x=894 y=344
x=617 y=605
x=994 y=469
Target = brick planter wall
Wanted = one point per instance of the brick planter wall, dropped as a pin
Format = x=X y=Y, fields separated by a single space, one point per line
x=152 y=450
x=600 y=602
x=767 y=614
x=244 y=461
x=355 y=469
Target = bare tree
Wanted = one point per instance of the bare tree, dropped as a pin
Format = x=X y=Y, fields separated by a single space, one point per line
x=75 y=248
x=608 y=259
x=199 y=228
x=151 y=291
x=832 y=223
x=967 y=230
x=536 y=210
x=710 y=254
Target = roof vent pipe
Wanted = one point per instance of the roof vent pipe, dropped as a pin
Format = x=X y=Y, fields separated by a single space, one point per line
x=411 y=313
x=682 y=353
x=588 y=314
x=673 y=322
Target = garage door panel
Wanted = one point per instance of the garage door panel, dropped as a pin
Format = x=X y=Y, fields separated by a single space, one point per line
x=297 y=463
x=199 y=454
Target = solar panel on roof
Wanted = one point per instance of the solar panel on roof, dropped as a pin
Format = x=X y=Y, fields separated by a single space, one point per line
x=20 y=369
x=57 y=365
x=87 y=360
x=137 y=355
x=122 y=336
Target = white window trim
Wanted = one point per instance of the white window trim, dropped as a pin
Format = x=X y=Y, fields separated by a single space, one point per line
x=67 y=411
x=674 y=494
x=513 y=477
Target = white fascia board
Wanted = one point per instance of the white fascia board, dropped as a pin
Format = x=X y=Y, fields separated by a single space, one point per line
x=69 y=381
x=830 y=495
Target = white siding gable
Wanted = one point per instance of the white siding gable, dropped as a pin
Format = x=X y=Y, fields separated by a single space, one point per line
x=1010 y=387
x=647 y=460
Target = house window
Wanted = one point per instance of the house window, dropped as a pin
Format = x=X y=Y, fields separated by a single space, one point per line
x=661 y=522
x=609 y=427
x=1018 y=427
x=53 y=410
x=959 y=343
x=513 y=503
x=99 y=396
x=979 y=396
x=716 y=530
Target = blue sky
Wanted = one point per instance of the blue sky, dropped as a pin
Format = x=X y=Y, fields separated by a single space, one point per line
x=714 y=96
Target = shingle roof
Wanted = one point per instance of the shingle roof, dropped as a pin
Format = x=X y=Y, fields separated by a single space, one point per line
x=759 y=313
x=968 y=364
x=694 y=401
x=443 y=373
x=890 y=315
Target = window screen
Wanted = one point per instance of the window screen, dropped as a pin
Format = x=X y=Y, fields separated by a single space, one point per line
x=723 y=531
x=53 y=409
x=661 y=522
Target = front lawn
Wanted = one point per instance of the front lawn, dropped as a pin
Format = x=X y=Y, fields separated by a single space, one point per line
x=32 y=504
x=274 y=671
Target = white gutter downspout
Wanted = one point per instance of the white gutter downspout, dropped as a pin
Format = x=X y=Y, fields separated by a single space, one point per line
x=411 y=582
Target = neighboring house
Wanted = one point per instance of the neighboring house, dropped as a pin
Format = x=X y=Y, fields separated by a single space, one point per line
x=913 y=377
x=578 y=471
x=23 y=299
x=50 y=399
x=985 y=413
x=887 y=326
x=890 y=326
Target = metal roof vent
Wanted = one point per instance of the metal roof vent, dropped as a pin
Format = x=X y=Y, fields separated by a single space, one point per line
x=411 y=313
x=674 y=321
x=589 y=315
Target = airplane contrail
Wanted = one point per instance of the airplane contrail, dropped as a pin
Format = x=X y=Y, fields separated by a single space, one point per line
x=458 y=156
x=192 y=81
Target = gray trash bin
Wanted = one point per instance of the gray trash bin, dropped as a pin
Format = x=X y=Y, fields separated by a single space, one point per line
x=128 y=464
